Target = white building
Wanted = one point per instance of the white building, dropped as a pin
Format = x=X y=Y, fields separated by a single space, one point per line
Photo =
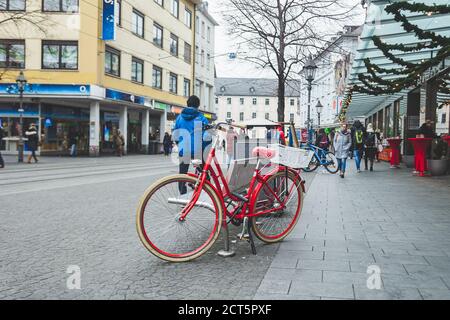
x=442 y=119
x=204 y=57
x=334 y=64
x=243 y=99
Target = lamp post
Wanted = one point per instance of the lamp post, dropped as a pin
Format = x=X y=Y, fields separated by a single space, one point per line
x=319 y=108
x=21 y=82
x=310 y=71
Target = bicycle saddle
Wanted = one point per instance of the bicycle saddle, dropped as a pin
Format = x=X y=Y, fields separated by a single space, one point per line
x=263 y=153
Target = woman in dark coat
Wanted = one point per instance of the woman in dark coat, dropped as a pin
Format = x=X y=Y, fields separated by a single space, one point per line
x=167 y=143
x=33 y=140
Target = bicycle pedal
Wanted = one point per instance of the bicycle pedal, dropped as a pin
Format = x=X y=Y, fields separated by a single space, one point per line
x=243 y=236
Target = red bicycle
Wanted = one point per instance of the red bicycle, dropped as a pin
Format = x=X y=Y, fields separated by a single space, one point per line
x=180 y=217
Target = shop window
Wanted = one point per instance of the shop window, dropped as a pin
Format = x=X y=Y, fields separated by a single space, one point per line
x=137 y=70
x=12 y=54
x=12 y=5
x=157 y=77
x=173 y=83
x=112 y=61
x=60 y=5
x=158 y=35
x=60 y=55
x=137 y=23
x=173 y=44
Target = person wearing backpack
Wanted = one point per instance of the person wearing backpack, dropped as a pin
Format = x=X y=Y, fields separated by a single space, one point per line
x=371 y=143
x=322 y=140
x=358 y=133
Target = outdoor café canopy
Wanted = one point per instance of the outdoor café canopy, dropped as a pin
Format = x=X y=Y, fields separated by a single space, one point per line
x=382 y=24
x=260 y=123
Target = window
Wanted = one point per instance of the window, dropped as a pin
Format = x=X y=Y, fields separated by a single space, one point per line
x=217 y=100
x=137 y=23
x=291 y=117
x=254 y=115
x=255 y=101
x=196 y=54
x=228 y=115
x=228 y=100
x=158 y=35
x=444 y=118
x=187 y=52
x=208 y=34
x=173 y=83
x=60 y=55
x=197 y=25
x=112 y=61
x=12 y=5
x=118 y=12
x=12 y=54
x=241 y=116
x=292 y=102
x=187 y=87
x=202 y=57
x=188 y=18
x=267 y=102
x=173 y=44
x=157 y=77
x=160 y=2
x=241 y=101
x=137 y=70
x=208 y=61
x=58 y=5
x=203 y=29
x=175 y=7
x=267 y=116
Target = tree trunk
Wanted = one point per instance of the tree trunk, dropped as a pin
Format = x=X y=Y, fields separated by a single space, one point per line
x=281 y=104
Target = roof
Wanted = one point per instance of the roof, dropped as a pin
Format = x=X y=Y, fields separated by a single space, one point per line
x=255 y=87
x=203 y=8
x=382 y=24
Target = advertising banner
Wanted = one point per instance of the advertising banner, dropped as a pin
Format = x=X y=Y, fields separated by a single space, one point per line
x=108 y=21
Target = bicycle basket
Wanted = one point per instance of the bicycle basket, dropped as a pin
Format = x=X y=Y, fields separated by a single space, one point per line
x=291 y=157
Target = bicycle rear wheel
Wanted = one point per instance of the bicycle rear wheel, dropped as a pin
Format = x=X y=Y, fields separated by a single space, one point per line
x=274 y=226
x=332 y=164
x=313 y=165
x=159 y=226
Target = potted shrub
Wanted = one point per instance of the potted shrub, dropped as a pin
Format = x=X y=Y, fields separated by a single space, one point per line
x=438 y=164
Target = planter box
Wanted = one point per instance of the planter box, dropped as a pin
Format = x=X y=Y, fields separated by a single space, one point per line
x=438 y=167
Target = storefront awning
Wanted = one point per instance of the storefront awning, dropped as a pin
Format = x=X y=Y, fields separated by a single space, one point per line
x=381 y=24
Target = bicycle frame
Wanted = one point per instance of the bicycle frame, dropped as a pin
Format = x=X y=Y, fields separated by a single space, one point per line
x=319 y=154
x=219 y=184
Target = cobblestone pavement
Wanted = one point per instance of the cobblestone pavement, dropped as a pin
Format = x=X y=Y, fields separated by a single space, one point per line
x=387 y=219
x=64 y=212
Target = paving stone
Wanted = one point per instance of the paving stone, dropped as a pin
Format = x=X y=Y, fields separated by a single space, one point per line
x=274 y=286
x=337 y=277
x=435 y=294
x=413 y=281
x=323 y=265
x=320 y=289
x=363 y=293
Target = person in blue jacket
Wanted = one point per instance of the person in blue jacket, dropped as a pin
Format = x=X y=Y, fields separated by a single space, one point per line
x=190 y=135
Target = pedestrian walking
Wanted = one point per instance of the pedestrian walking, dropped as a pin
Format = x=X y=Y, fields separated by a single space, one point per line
x=371 y=144
x=2 y=162
x=230 y=145
x=73 y=141
x=33 y=141
x=322 y=140
x=358 y=134
x=191 y=121
x=119 y=142
x=380 y=145
x=167 y=144
x=342 y=144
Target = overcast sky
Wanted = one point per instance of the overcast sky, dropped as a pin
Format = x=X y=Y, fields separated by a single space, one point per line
x=224 y=44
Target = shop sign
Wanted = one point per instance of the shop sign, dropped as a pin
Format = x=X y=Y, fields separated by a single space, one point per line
x=161 y=106
x=111 y=117
x=108 y=21
x=47 y=89
x=176 y=110
x=122 y=96
x=48 y=123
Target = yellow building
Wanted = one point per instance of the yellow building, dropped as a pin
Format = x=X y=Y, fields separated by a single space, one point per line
x=82 y=87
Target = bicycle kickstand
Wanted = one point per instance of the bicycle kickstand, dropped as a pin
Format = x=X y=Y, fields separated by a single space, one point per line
x=250 y=236
x=227 y=252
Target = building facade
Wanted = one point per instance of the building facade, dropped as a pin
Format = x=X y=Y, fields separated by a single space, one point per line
x=244 y=100
x=204 y=57
x=333 y=69
x=94 y=67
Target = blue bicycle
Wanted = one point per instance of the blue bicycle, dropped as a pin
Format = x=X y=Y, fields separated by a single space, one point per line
x=322 y=158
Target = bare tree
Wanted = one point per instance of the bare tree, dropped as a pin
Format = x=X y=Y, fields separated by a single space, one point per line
x=280 y=34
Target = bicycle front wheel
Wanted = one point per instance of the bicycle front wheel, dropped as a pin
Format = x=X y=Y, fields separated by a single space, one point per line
x=332 y=163
x=313 y=165
x=278 y=206
x=162 y=231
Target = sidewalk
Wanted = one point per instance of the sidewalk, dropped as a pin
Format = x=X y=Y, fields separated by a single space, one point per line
x=387 y=219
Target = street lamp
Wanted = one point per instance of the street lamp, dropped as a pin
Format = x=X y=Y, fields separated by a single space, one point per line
x=21 y=82
x=309 y=70
x=319 y=108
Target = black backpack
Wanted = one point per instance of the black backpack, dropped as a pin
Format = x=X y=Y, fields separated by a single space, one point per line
x=370 y=141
